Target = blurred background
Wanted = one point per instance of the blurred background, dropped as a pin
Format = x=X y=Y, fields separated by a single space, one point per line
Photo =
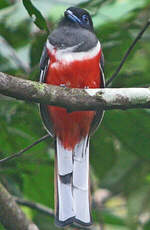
x=120 y=149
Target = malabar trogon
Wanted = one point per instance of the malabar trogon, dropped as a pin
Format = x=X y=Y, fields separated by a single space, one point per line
x=72 y=57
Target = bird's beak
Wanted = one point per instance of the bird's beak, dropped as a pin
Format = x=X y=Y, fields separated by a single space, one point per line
x=71 y=16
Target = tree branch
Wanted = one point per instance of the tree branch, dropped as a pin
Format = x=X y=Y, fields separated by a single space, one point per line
x=74 y=99
x=43 y=209
x=11 y=216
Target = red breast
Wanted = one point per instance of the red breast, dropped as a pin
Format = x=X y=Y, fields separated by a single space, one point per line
x=72 y=127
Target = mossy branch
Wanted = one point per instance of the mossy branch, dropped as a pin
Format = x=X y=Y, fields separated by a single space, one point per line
x=74 y=99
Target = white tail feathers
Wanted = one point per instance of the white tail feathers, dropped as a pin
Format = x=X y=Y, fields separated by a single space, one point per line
x=81 y=165
x=64 y=210
x=65 y=161
x=73 y=184
x=81 y=182
x=65 y=200
x=81 y=206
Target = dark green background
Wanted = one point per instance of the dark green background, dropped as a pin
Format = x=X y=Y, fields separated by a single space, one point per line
x=120 y=149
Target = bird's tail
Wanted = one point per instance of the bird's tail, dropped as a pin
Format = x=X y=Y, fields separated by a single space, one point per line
x=72 y=192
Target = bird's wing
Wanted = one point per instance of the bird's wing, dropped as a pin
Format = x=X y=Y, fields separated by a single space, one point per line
x=44 y=63
x=99 y=113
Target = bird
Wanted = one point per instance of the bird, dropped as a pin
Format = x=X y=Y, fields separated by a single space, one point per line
x=72 y=58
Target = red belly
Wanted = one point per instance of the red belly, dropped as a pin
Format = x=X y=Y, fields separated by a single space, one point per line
x=72 y=127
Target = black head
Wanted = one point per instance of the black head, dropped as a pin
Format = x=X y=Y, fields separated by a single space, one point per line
x=74 y=29
x=79 y=17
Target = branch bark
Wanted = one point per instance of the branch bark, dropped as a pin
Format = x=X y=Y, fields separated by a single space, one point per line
x=11 y=216
x=74 y=99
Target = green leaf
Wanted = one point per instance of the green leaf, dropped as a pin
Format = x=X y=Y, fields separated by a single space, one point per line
x=38 y=183
x=4 y=3
x=37 y=44
x=146 y=225
x=1 y=227
x=108 y=218
x=137 y=204
x=36 y=15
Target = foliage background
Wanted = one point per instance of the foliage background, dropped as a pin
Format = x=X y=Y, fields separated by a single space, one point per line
x=120 y=149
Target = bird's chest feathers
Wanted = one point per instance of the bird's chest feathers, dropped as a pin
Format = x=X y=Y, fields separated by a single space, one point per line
x=74 y=69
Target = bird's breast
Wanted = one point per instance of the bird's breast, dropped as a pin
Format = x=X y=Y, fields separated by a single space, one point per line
x=73 y=70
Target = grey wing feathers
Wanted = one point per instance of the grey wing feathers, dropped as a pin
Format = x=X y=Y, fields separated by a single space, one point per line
x=44 y=58
x=44 y=63
x=99 y=113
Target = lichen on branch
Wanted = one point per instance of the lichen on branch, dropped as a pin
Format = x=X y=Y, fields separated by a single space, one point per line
x=74 y=99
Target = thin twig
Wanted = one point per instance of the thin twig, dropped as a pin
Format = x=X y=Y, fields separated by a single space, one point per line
x=36 y=206
x=14 y=56
x=127 y=53
x=43 y=209
x=25 y=149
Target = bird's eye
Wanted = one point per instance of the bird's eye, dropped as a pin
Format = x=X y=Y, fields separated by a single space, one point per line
x=85 y=19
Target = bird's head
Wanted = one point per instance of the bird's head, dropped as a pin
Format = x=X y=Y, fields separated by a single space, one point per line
x=74 y=29
x=79 y=17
